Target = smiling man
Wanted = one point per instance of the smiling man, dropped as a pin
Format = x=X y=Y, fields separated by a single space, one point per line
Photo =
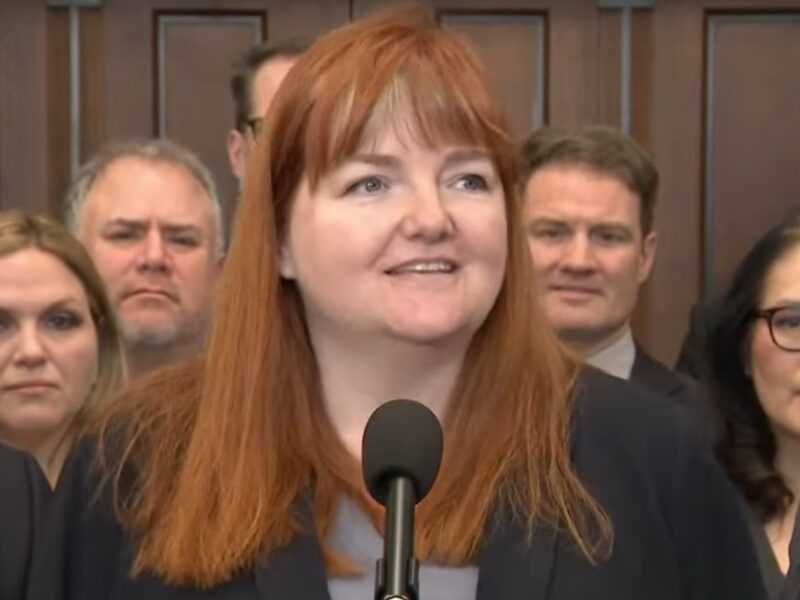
x=148 y=213
x=589 y=198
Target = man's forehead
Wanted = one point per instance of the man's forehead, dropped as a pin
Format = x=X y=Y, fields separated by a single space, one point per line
x=138 y=192
x=266 y=81
x=575 y=192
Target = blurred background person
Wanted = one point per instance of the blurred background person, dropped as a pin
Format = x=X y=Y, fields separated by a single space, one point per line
x=378 y=254
x=60 y=352
x=589 y=198
x=754 y=357
x=254 y=85
x=148 y=213
x=24 y=496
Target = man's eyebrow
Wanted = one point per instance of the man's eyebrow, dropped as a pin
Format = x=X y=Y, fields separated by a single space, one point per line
x=548 y=221
x=129 y=223
x=180 y=228
x=618 y=225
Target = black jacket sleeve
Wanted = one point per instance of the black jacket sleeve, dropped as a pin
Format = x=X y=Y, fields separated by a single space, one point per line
x=24 y=495
x=79 y=554
x=706 y=519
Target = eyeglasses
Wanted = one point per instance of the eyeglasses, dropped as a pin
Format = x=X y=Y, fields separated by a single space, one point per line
x=784 y=326
x=255 y=125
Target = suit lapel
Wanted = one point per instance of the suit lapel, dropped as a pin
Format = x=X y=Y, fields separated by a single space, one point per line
x=649 y=373
x=514 y=568
x=296 y=570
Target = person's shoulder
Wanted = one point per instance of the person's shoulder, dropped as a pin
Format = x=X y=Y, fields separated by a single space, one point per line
x=24 y=494
x=21 y=476
x=602 y=400
x=655 y=375
x=630 y=420
x=13 y=463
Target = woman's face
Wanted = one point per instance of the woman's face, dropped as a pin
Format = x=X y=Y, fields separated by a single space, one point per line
x=48 y=346
x=776 y=372
x=400 y=240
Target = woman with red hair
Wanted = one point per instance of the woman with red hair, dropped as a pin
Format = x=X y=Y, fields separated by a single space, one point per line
x=377 y=254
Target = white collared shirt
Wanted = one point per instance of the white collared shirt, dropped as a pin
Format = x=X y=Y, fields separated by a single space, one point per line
x=616 y=359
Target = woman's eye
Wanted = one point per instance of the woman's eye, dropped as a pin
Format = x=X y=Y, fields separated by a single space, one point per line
x=367 y=185
x=62 y=321
x=788 y=321
x=5 y=324
x=472 y=183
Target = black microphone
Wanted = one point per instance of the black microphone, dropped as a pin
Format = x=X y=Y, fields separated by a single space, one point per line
x=401 y=453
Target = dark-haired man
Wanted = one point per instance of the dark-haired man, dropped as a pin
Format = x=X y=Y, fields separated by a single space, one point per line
x=254 y=85
x=589 y=203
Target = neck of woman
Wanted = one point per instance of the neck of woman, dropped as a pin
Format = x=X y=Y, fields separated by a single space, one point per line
x=787 y=460
x=359 y=376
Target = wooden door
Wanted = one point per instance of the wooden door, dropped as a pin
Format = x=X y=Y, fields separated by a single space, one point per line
x=725 y=121
x=162 y=68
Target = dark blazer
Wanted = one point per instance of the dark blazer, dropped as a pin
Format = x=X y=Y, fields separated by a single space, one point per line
x=681 y=390
x=679 y=530
x=653 y=375
x=24 y=492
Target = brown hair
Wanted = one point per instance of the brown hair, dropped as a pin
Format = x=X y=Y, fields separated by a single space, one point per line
x=599 y=148
x=246 y=69
x=224 y=447
x=19 y=231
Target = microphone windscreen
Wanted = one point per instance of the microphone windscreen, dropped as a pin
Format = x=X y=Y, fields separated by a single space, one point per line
x=402 y=438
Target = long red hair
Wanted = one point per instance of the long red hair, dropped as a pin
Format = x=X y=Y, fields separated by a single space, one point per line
x=223 y=447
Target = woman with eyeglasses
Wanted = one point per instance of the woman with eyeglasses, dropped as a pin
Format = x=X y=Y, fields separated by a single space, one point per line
x=754 y=352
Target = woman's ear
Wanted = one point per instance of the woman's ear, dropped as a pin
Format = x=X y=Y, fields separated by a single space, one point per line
x=286 y=262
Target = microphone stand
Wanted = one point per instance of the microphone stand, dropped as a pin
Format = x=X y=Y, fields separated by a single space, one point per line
x=398 y=570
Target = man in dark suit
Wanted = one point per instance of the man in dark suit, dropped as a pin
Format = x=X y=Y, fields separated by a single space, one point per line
x=24 y=493
x=589 y=199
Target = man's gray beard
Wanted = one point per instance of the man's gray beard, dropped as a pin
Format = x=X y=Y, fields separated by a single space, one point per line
x=134 y=334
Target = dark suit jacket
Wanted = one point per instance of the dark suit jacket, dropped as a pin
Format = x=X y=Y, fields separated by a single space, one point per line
x=679 y=531
x=681 y=390
x=24 y=492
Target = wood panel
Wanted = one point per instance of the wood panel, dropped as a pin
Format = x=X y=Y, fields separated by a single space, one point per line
x=23 y=105
x=753 y=126
x=59 y=106
x=151 y=67
x=678 y=146
x=503 y=40
x=194 y=54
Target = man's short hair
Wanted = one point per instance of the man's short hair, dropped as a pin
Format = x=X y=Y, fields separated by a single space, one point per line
x=598 y=148
x=245 y=70
x=157 y=150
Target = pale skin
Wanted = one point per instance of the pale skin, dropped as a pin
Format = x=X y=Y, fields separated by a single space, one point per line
x=266 y=81
x=589 y=252
x=48 y=355
x=422 y=266
x=776 y=376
